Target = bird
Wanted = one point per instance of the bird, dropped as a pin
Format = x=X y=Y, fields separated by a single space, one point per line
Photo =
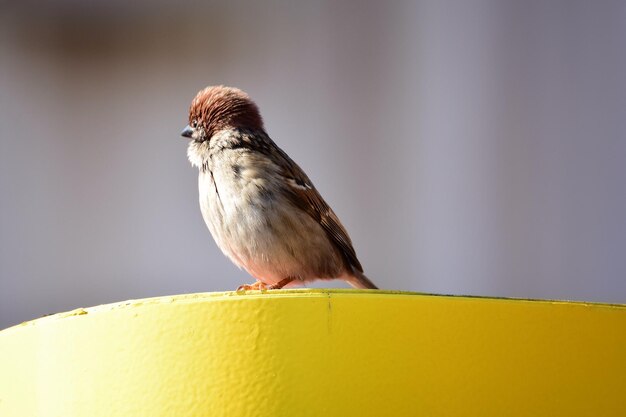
x=262 y=210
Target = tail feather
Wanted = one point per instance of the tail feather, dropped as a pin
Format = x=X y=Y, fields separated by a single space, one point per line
x=359 y=280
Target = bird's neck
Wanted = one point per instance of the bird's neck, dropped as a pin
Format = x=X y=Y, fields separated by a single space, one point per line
x=199 y=153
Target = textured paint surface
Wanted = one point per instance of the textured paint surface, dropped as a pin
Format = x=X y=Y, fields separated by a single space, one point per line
x=318 y=353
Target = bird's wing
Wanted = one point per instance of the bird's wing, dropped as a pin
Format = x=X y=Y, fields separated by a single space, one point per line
x=303 y=194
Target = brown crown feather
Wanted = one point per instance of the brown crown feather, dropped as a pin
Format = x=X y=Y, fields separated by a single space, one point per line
x=218 y=107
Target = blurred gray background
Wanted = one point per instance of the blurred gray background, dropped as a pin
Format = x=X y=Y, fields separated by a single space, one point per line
x=470 y=147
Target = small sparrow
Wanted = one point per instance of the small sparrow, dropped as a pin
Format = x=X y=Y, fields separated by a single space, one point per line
x=262 y=210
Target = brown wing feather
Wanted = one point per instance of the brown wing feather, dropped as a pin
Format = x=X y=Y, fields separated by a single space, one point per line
x=307 y=198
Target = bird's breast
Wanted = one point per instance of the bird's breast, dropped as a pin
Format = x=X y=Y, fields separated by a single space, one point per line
x=238 y=202
x=256 y=226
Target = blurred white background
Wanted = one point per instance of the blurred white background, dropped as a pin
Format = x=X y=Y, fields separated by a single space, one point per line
x=469 y=147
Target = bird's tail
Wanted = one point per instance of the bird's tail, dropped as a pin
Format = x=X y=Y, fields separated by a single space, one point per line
x=359 y=280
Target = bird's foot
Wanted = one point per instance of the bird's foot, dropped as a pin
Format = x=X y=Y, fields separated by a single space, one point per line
x=280 y=284
x=258 y=286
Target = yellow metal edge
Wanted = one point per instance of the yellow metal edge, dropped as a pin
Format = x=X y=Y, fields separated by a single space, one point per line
x=274 y=353
x=290 y=293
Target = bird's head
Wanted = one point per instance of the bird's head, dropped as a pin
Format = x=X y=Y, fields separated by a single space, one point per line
x=218 y=108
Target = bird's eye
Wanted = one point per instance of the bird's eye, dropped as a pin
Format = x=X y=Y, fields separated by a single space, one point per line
x=194 y=123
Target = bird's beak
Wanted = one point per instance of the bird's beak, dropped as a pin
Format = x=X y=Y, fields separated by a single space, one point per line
x=187 y=132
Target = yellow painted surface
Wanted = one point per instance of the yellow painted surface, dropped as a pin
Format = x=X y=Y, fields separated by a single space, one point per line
x=318 y=353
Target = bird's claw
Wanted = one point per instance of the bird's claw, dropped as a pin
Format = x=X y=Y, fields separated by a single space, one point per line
x=257 y=286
